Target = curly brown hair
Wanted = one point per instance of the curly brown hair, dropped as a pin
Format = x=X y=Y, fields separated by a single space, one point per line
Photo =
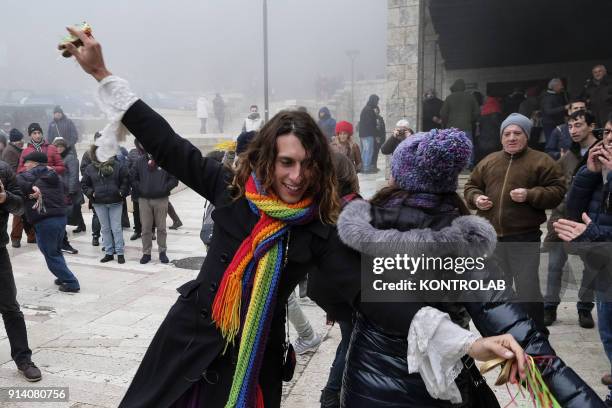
x=260 y=157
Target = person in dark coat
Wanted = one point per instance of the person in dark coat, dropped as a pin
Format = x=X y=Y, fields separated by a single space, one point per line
x=136 y=153
x=11 y=156
x=598 y=93
x=367 y=134
x=190 y=361
x=327 y=123
x=381 y=135
x=460 y=110
x=219 y=108
x=560 y=140
x=62 y=126
x=153 y=186
x=72 y=188
x=553 y=105
x=422 y=206
x=490 y=120
x=45 y=209
x=432 y=105
x=11 y=202
x=589 y=222
x=95 y=221
x=106 y=184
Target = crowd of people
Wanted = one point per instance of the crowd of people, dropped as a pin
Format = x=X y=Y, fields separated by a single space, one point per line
x=288 y=209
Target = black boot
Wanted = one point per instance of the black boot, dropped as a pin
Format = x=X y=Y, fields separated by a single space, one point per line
x=550 y=316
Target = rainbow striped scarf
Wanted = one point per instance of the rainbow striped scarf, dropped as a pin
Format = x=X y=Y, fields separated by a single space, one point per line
x=252 y=279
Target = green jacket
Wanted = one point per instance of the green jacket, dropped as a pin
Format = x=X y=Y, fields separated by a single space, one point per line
x=460 y=109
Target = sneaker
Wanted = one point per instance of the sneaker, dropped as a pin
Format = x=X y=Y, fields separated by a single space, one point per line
x=69 y=249
x=585 y=320
x=606 y=379
x=135 y=236
x=163 y=258
x=78 y=230
x=64 y=288
x=95 y=241
x=176 y=225
x=550 y=316
x=302 y=346
x=121 y=259
x=58 y=282
x=107 y=258
x=32 y=241
x=329 y=399
x=30 y=371
x=145 y=259
x=16 y=243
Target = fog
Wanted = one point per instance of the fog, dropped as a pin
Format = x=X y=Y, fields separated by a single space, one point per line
x=196 y=46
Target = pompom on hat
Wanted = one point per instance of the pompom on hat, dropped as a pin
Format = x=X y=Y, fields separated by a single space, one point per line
x=431 y=162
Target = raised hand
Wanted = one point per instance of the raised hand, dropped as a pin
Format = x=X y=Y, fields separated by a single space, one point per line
x=89 y=55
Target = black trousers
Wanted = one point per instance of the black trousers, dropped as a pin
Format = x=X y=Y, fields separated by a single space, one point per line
x=519 y=257
x=95 y=224
x=14 y=323
x=136 y=215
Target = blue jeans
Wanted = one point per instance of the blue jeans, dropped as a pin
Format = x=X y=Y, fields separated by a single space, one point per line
x=557 y=257
x=604 y=323
x=49 y=236
x=110 y=223
x=367 y=152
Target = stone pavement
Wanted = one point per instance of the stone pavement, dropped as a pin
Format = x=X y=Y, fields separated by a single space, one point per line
x=93 y=341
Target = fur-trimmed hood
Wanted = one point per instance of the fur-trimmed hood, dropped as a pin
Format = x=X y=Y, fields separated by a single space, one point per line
x=470 y=235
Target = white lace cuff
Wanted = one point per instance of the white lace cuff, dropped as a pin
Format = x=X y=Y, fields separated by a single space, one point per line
x=114 y=98
x=435 y=348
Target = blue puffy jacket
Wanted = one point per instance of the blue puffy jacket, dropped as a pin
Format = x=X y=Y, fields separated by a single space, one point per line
x=589 y=194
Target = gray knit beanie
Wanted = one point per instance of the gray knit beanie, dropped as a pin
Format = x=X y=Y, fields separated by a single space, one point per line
x=517 y=119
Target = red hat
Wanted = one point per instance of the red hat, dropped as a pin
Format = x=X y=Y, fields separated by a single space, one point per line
x=344 y=126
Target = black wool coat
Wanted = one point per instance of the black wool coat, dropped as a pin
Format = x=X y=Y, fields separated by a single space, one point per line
x=187 y=348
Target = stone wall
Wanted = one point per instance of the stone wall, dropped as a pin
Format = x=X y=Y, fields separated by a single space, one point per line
x=404 y=48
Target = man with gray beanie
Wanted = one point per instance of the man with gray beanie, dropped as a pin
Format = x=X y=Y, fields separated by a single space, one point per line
x=512 y=189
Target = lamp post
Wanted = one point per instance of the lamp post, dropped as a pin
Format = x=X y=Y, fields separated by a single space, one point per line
x=265 y=41
x=352 y=54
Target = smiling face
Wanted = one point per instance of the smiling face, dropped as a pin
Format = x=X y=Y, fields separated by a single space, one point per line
x=514 y=139
x=291 y=174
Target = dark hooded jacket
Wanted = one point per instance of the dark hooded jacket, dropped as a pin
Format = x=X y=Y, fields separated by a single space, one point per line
x=368 y=118
x=105 y=189
x=13 y=203
x=327 y=123
x=151 y=181
x=376 y=367
x=187 y=344
x=51 y=189
x=460 y=109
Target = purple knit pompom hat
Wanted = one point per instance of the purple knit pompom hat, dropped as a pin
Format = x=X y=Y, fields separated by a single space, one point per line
x=431 y=162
